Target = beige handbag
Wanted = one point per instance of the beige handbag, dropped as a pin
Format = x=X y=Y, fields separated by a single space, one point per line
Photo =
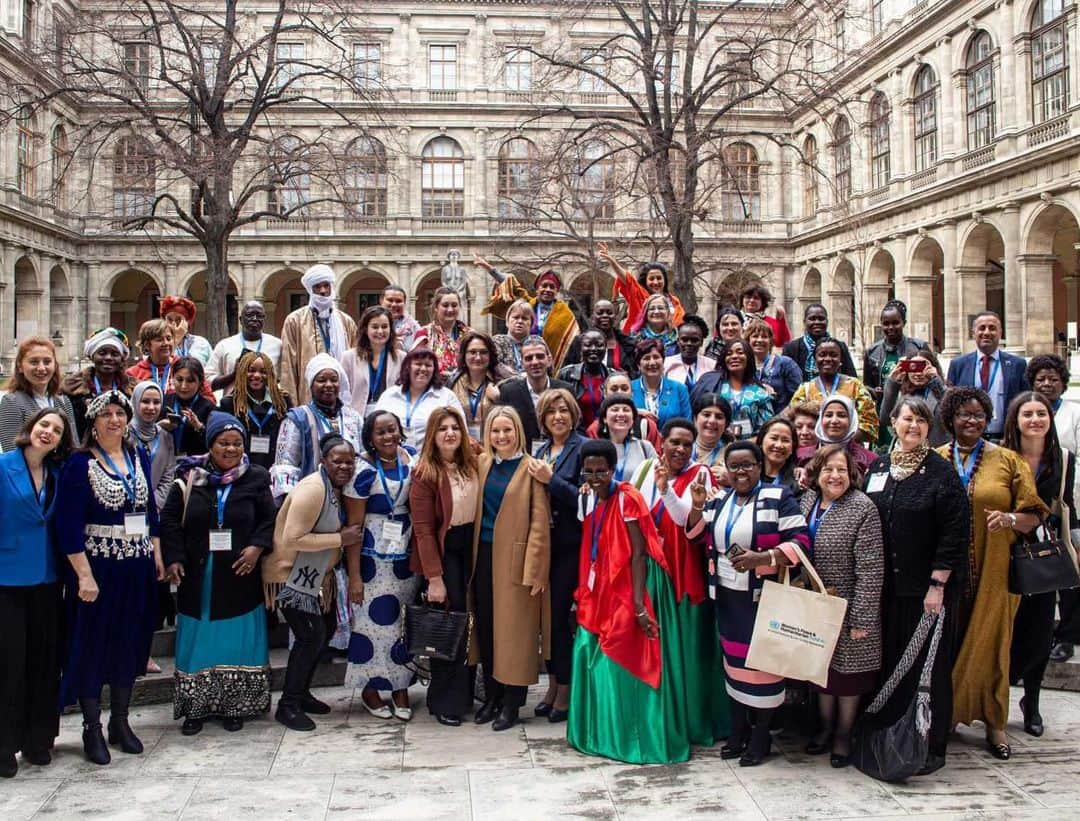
x=795 y=631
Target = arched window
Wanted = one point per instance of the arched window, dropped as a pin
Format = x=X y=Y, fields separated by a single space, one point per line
x=980 y=91
x=517 y=178
x=740 y=186
x=593 y=182
x=290 y=179
x=442 y=179
x=60 y=159
x=880 y=160
x=810 y=177
x=925 y=118
x=134 y=178
x=842 y=159
x=366 y=178
x=1049 y=61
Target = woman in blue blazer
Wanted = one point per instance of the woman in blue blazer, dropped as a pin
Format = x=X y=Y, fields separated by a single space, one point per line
x=559 y=467
x=653 y=392
x=29 y=591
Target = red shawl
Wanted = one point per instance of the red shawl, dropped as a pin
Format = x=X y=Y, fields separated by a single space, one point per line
x=685 y=558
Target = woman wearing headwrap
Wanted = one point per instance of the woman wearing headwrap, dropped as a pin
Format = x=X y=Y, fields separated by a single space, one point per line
x=838 y=424
x=216 y=523
x=107 y=350
x=316 y=328
x=309 y=534
x=187 y=407
x=179 y=313
x=34 y=385
x=652 y=279
x=830 y=381
x=107 y=525
x=146 y=402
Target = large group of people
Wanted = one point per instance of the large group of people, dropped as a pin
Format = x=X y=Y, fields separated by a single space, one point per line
x=604 y=497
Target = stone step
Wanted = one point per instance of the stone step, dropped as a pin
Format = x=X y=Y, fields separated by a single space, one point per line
x=164 y=643
x=1063 y=675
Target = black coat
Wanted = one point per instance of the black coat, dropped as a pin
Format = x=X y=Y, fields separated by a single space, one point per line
x=626 y=354
x=271 y=424
x=515 y=393
x=564 y=487
x=926 y=524
x=190 y=442
x=796 y=349
x=249 y=513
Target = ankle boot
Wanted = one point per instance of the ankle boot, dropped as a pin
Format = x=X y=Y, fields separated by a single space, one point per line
x=94 y=744
x=120 y=733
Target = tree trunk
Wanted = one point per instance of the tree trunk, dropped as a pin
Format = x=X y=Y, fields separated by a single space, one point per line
x=215 y=322
x=682 y=236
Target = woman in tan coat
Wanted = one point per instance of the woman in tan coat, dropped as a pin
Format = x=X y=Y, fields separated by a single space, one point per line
x=511 y=559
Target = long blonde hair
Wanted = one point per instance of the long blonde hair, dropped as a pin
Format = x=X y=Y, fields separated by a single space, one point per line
x=500 y=411
x=240 y=388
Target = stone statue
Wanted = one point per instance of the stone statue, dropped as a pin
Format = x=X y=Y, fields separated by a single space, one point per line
x=453 y=275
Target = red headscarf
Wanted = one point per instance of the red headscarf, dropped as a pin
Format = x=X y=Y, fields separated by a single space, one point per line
x=549 y=274
x=178 y=305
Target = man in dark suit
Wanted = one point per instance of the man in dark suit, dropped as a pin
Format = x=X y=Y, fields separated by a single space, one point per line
x=815 y=327
x=522 y=393
x=990 y=369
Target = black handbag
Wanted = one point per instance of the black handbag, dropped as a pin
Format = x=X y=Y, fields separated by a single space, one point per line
x=900 y=750
x=1041 y=567
x=436 y=632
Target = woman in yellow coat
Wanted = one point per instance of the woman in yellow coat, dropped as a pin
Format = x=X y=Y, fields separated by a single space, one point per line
x=511 y=559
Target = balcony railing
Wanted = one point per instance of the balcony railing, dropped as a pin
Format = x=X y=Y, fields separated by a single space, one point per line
x=980 y=156
x=739 y=226
x=924 y=178
x=442 y=223
x=1048 y=131
x=593 y=97
x=442 y=95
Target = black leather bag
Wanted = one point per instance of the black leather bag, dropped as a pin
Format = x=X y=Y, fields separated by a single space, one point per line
x=900 y=750
x=1041 y=567
x=436 y=632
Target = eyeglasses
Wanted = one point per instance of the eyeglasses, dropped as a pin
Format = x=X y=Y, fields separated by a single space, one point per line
x=586 y=475
x=964 y=416
x=742 y=468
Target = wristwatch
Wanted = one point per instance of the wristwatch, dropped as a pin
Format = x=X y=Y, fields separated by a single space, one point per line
x=937 y=583
x=1012 y=520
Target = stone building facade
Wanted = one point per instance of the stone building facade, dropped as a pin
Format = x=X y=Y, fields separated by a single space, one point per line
x=949 y=178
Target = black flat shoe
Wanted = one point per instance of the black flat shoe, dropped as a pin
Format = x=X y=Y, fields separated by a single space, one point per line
x=232 y=724
x=310 y=704
x=558 y=716
x=94 y=747
x=1062 y=652
x=191 y=726
x=448 y=721
x=728 y=751
x=838 y=762
x=543 y=709
x=508 y=717
x=294 y=718
x=39 y=758
x=818 y=747
x=1033 y=720
x=121 y=735
x=1002 y=752
x=8 y=766
x=750 y=759
x=487 y=712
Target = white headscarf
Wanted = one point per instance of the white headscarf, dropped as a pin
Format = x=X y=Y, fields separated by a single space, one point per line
x=324 y=362
x=324 y=307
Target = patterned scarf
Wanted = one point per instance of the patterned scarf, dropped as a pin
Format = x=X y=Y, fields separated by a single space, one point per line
x=200 y=471
x=903 y=463
x=810 y=366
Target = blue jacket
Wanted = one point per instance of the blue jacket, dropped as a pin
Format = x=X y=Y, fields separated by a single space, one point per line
x=962 y=372
x=674 y=400
x=27 y=550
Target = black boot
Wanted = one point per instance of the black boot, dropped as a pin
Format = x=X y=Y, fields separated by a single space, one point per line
x=120 y=732
x=760 y=741
x=310 y=704
x=1033 y=720
x=487 y=712
x=508 y=717
x=8 y=766
x=94 y=744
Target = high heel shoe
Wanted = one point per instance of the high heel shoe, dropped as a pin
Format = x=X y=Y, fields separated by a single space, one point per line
x=94 y=747
x=1002 y=752
x=121 y=734
x=508 y=717
x=543 y=709
x=1033 y=720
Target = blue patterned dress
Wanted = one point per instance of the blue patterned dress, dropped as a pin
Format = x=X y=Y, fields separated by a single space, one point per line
x=377 y=653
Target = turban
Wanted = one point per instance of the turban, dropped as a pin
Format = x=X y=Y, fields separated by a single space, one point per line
x=549 y=275
x=324 y=362
x=178 y=305
x=218 y=423
x=103 y=400
x=316 y=274
x=106 y=338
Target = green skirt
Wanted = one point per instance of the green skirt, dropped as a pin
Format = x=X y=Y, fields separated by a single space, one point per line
x=697 y=662
x=615 y=715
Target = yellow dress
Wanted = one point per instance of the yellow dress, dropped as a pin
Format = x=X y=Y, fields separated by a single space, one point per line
x=854 y=390
x=980 y=677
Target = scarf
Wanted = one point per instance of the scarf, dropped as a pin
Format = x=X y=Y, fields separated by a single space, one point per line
x=143 y=430
x=199 y=471
x=853 y=423
x=810 y=366
x=903 y=463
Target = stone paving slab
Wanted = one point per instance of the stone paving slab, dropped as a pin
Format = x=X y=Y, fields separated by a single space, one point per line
x=355 y=766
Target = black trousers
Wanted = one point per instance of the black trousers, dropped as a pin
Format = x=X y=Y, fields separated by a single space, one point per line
x=506 y=695
x=1033 y=638
x=563 y=581
x=450 y=691
x=309 y=638
x=29 y=667
x=1068 y=629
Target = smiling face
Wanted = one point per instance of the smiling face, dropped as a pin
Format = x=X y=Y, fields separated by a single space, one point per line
x=477 y=356
x=557 y=420
x=228 y=449
x=834 y=479
x=730 y=327
x=651 y=364
x=1049 y=383
x=618 y=384
x=107 y=361
x=447 y=309
x=1034 y=420
x=816 y=322
x=761 y=343
x=378 y=332
x=969 y=422
x=690 y=341
x=256 y=378
x=593 y=347
x=448 y=436
x=735 y=361
x=394 y=302
x=911 y=429
x=743 y=470
x=149 y=408
x=421 y=371
x=596 y=473
x=654 y=281
x=325 y=387
x=48 y=432
x=186 y=384
x=657 y=314
x=892 y=326
x=835 y=421
x=503 y=438
x=677 y=446
x=547 y=290
x=109 y=425
x=827 y=357
x=711 y=424
x=339 y=464
x=603 y=315
x=518 y=322
x=777 y=445
x=386 y=435
x=986 y=331
x=161 y=349
x=38 y=367
x=804 y=430
x=619 y=418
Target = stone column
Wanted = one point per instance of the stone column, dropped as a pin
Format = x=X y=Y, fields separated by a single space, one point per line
x=777 y=282
x=958 y=119
x=480 y=175
x=1021 y=76
x=403 y=178
x=248 y=286
x=1015 y=320
x=972 y=280
x=949 y=108
x=1007 y=117
x=954 y=326
x=99 y=306
x=899 y=152
x=907 y=133
x=1037 y=271
x=172 y=279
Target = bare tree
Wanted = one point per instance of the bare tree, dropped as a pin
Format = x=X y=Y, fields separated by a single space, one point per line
x=683 y=75
x=210 y=116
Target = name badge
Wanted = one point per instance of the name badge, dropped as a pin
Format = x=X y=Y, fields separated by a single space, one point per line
x=220 y=541
x=393 y=534
x=536 y=445
x=592 y=576
x=135 y=524
x=729 y=577
x=260 y=444
x=876 y=482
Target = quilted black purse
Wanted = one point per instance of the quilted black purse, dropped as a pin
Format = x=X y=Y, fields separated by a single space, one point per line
x=1041 y=567
x=436 y=632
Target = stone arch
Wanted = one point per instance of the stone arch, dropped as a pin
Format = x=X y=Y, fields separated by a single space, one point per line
x=1050 y=245
x=967 y=37
x=587 y=287
x=425 y=287
x=809 y=293
x=982 y=272
x=360 y=289
x=195 y=289
x=61 y=316
x=879 y=286
x=28 y=296
x=840 y=301
x=132 y=295
x=926 y=288
x=281 y=293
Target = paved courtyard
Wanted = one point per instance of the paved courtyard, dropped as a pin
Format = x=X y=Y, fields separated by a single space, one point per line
x=356 y=766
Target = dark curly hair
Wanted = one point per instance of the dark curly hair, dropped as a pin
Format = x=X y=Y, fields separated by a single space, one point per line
x=493 y=355
x=652 y=265
x=367 y=433
x=749 y=374
x=1046 y=362
x=955 y=397
x=647 y=346
x=758 y=290
x=437 y=377
x=602 y=431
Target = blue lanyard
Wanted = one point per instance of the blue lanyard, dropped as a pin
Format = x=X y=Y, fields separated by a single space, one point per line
x=966 y=470
x=222 y=498
x=259 y=423
x=164 y=381
x=128 y=481
x=736 y=400
x=831 y=391
x=712 y=454
x=515 y=348
x=765 y=370
x=386 y=488
x=1056 y=404
x=324 y=424
x=816 y=515
x=690 y=380
x=620 y=466
x=993 y=375
x=324 y=331
x=154 y=446
x=183 y=346
x=541 y=315
x=376 y=380
x=735 y=512
x=97 y=384
x=178 y=434
x=410 y=406
x=475 y=398
x=598 y=521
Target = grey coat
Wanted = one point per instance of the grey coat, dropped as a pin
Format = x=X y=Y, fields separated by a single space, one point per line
x=849 y=555
x=18 y=406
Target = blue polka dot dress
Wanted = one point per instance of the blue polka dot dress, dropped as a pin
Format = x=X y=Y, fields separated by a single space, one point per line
x=377 y=652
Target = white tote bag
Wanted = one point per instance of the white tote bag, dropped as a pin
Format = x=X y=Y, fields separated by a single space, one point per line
x=796 y=630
